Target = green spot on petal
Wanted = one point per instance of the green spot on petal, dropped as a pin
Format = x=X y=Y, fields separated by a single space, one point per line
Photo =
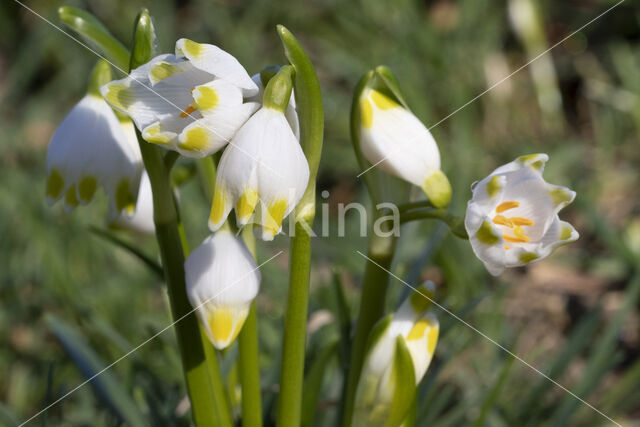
x=527 y=257
x=494 y=185
x=124 y=199
x=164 y=70
x=485 y=234
x=87 y=188
x=70 y=198
x=207 y=98
x=55 y=184
x=192 y=48
x=438 y=189
x=560 y=196
x=419 y=302
x=196 y=139
x=566 y=233
x=119 y=96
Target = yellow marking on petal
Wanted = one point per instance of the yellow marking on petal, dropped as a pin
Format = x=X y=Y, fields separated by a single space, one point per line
x=560 y=196
x=530 y=159
x=516 y=220
x=192 y=48
x=505 y=206
x=485 y=234
x=196 y=139
x=275 y=215
x=187 y=112
x=518 y=231
x=366 y=113
x=70 y=198
x=438 y=189
x=154 y=135
x=124 y=199
x=516 y=239
x=432 y=339
x=247 y=203
x=87 y=188
x=502 y=220
x=418 y=329
x=383 y=101
x=218 y=206
x=207 y=98
x=566 y=233
x=55 y=184
x=164 y=70
x=527 y=257
x=507 y=247
x=221 y=325
x=494 y=185
x=118 y=95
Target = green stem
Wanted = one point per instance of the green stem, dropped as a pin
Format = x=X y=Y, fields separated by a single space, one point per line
x=374 y=291
x=248 y=356
x=249 y=371
x=295 y=330
x=455 y=224
x=404 y=207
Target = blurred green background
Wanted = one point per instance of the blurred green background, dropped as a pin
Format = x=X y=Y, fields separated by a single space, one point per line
x=70 y=302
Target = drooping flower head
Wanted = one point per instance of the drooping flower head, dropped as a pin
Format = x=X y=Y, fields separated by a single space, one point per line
x=222 y=281
x=264 y=168
x=395 y=140
x=191 y=102
x=512 y=218
x=92 y=147
x=409 y=336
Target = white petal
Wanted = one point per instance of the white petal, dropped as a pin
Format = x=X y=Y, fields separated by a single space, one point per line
x=216 y=61
x=264 y=158
x=142 y=220
x=394 y=139
x=222 y=281
x=488 y=245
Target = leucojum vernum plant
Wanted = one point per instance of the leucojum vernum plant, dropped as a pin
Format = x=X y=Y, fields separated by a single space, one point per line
x=256 y=143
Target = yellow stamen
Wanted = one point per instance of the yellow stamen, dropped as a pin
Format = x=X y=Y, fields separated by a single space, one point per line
x=502 y=220
x=521 y=221
x=505 y=206
x=190 y=109
x=518 y=231
x=516 y=239
x=507 y=247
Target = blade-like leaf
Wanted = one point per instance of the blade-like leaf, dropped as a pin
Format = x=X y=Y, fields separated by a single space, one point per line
x=313 y=382
x=105 y=384
x=405 y=384
x=95 y=34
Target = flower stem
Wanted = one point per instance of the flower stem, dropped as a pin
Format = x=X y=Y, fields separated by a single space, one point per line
x=248 y=356
x=374 y=291
x=455 y=224
x=295 y=330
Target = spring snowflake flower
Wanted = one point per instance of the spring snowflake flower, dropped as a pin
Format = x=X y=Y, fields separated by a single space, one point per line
x=191 y=102
x=92 y=147
x=263 y=170
x=290 y=113
x=414 y=328
x=222 y=281
x=512 y=218
x=395 y=140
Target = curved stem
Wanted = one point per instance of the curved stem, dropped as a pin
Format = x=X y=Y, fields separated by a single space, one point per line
x=455 y=224
x=415 y=205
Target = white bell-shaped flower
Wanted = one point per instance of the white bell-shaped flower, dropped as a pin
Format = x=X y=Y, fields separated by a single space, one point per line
x=92 y=147
x=263 y=170
x=395 y=140
x=142 y=219
x=418 y=329
x=190 y=102
x=512 y=218
x=222 y=281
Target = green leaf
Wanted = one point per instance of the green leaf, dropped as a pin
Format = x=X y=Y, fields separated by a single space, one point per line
x=96 y=35
x=310 y=113
x=391 y=85
x=146 y=259
x=313 y=382
x=344 y=320
x=105 y=384
x=495 y=391
x=404 y=380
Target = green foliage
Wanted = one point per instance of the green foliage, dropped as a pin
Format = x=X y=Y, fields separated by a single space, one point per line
x=444 y=54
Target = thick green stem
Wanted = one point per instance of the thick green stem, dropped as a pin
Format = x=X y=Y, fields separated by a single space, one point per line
x=455 y=224
x=374 y=291
x=249 y=371
x=295 y=330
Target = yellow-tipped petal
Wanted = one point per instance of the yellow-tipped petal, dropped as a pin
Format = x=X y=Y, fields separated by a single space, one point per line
x=70 y=198
x=125 y=201
x=438 y=189
x=274 y=217
x=218 y=207
x=87 y=188
x=246 y=204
